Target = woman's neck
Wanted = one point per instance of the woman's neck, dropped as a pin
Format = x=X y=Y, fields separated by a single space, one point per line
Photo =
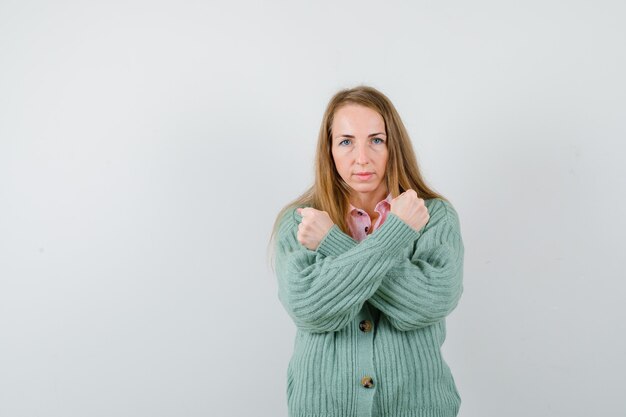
x=368 y=201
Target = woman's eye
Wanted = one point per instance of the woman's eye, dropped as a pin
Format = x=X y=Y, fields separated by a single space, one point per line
x=347 y=141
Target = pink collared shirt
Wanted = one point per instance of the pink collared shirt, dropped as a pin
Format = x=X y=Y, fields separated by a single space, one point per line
x=360 y=223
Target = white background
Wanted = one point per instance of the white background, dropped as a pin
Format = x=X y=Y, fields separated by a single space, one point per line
x=146 y=148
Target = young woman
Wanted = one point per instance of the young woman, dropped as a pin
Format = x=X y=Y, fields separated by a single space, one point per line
x=369 y=262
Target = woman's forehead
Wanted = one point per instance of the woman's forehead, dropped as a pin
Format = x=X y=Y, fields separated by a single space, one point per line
x=355 y=119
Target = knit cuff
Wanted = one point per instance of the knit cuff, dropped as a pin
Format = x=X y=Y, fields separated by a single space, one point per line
x=395 y=233
x=335 y=242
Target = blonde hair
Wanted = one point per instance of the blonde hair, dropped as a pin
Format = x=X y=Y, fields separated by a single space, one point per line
x=330 y=193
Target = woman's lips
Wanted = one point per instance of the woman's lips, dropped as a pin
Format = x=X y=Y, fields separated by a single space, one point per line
x=364 y=177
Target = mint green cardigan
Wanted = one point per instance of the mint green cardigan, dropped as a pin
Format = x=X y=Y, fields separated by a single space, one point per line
x=370 y=317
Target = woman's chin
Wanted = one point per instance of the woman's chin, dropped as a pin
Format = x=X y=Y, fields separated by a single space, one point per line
x=364 y=188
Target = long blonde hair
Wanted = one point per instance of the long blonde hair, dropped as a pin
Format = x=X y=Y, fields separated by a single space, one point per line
x=330 y=193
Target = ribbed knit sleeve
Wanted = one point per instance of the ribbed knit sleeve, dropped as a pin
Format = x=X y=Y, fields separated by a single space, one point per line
x=324 y=293
x=423 y=288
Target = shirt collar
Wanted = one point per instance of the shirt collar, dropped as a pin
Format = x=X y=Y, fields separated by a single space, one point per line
x=386 y=201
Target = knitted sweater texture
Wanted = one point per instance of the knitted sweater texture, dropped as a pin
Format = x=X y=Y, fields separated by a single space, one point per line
x=345 y=363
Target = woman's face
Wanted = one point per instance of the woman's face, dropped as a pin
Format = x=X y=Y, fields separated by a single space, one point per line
x=359 y=146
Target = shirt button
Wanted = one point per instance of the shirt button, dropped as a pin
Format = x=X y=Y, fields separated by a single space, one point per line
x=367 y=382
x=360 y=214
x=365 y=326
x=366 y=228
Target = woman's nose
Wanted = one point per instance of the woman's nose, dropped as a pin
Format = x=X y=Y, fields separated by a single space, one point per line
x=362 y=156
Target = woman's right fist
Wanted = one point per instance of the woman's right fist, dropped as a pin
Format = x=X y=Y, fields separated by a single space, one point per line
x=411 y=209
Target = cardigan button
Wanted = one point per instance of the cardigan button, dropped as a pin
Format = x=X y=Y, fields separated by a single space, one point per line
x=365 y=326
x=367 y=382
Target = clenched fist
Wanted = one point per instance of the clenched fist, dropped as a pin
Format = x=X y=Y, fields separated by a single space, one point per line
x=411 y=209
x=313 y=227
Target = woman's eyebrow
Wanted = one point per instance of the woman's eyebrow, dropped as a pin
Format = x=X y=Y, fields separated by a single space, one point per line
x=369 y=136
